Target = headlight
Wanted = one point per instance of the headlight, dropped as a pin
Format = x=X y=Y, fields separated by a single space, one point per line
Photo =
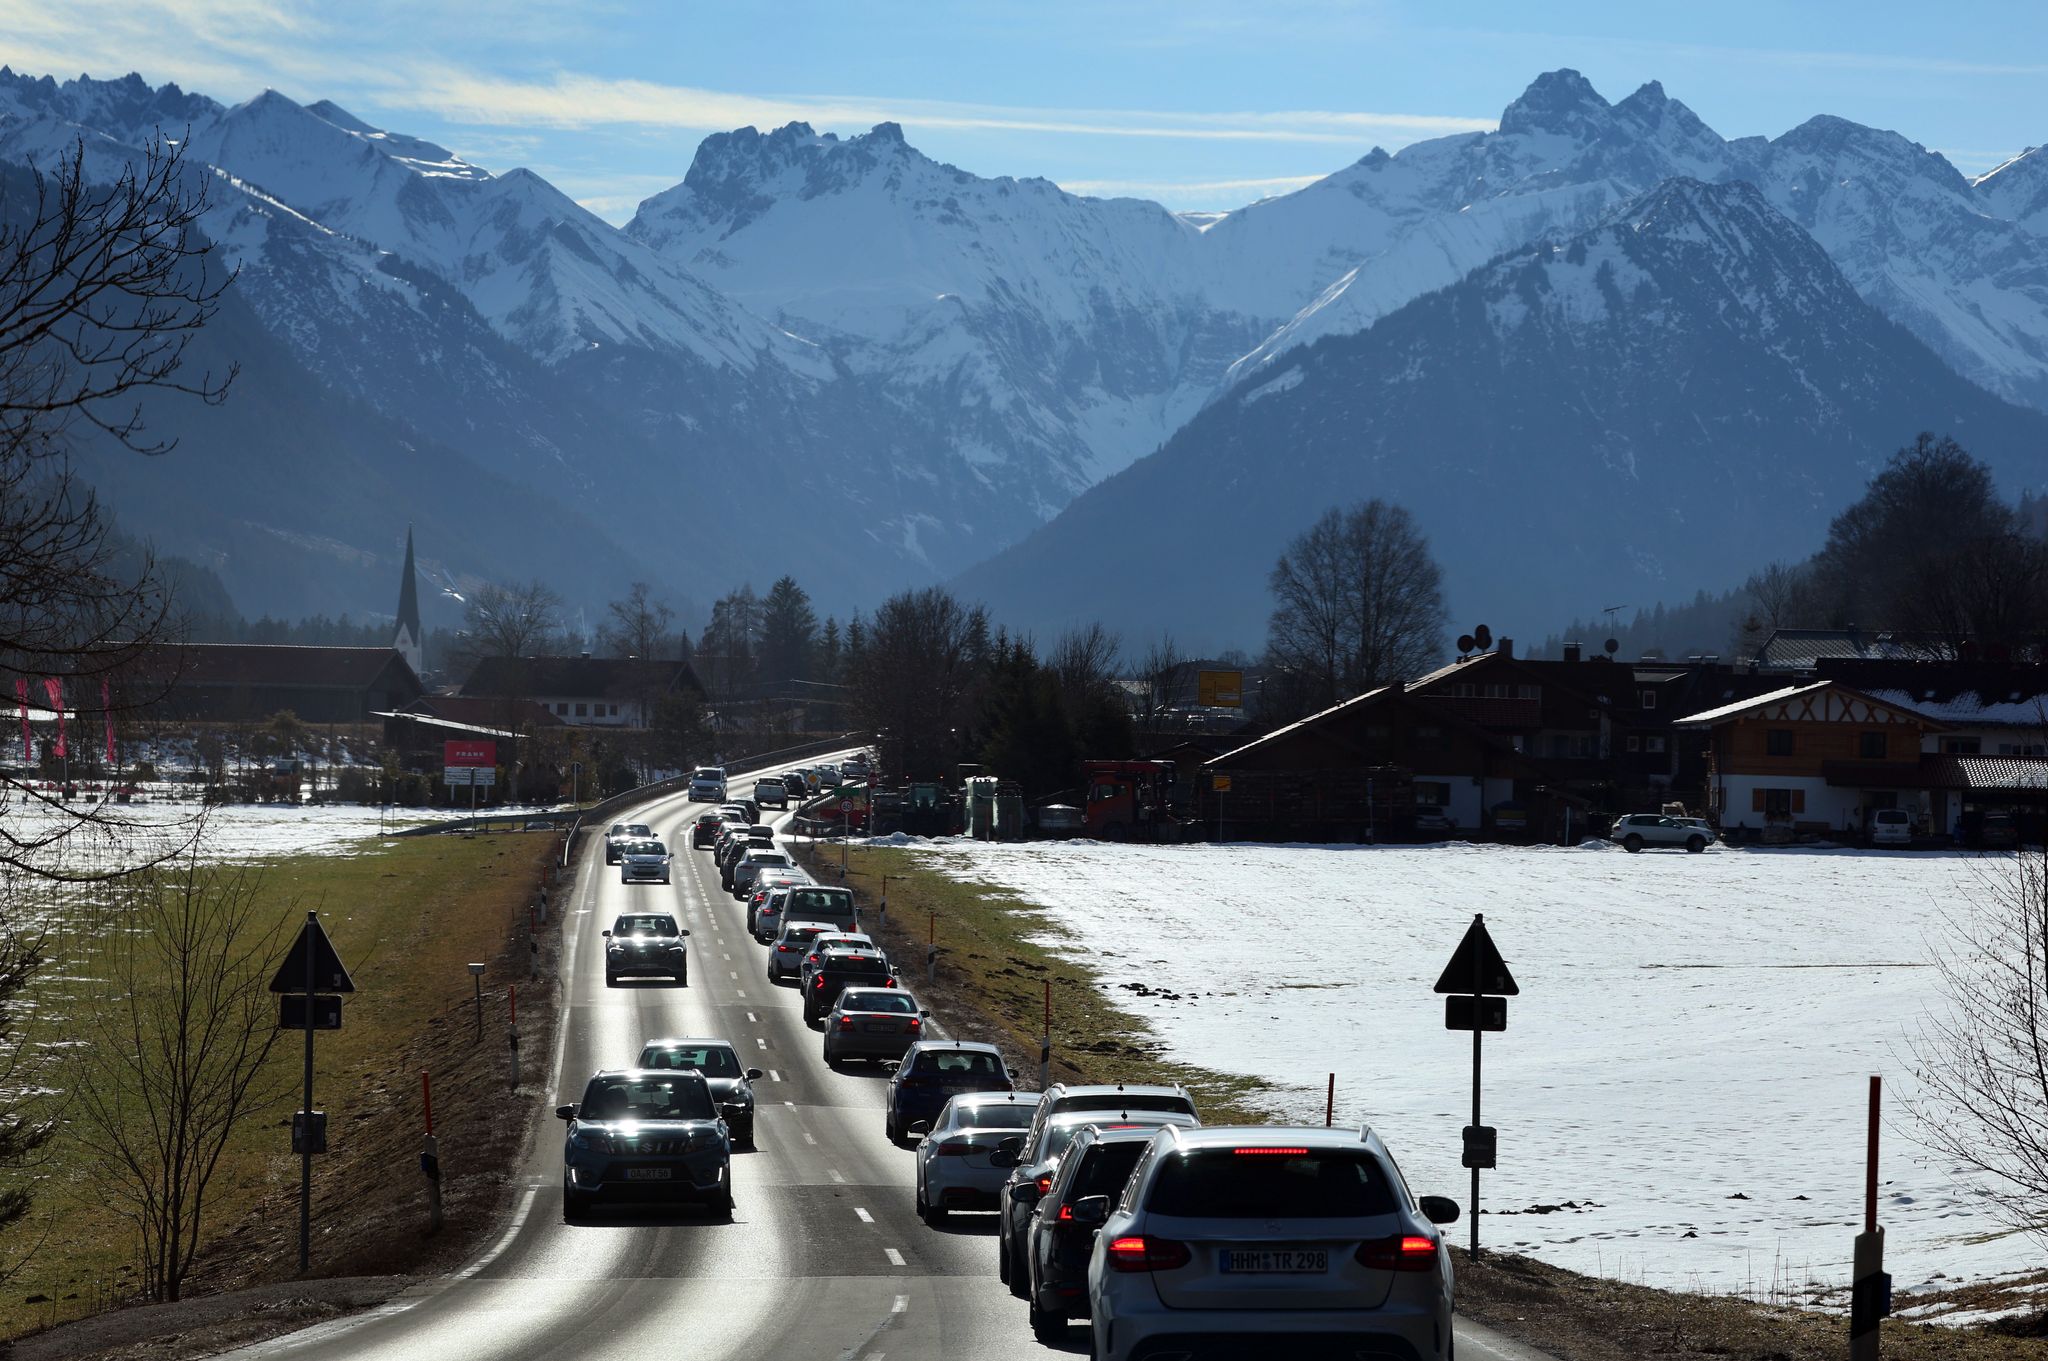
x=591 y=1143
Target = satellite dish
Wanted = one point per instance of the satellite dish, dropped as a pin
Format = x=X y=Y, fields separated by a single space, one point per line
x=1483 y=636
x=1465 y=642
x=1613 y=645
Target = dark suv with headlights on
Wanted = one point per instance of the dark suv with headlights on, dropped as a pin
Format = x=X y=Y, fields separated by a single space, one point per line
x=643 y=1135
x=732 y=1087
x=646 y=943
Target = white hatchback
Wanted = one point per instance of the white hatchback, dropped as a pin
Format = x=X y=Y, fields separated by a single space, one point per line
x=1268 y=1241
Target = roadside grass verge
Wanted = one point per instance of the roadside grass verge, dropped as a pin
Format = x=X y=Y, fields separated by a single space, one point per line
x=407 y=916
x=997 y=952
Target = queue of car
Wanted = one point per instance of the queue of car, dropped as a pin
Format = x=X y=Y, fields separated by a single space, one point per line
x=1115 y=1206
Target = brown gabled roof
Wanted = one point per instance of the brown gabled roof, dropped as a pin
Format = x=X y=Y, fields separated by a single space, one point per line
x=276 y=664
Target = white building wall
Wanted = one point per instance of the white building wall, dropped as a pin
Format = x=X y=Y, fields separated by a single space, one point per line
x=1842 y=809
x=1466 y=800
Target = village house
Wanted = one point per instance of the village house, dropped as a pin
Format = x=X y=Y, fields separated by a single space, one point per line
x=584 y=691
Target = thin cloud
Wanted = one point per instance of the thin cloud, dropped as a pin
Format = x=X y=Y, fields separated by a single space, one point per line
x=582 y=101
x=1277 y=184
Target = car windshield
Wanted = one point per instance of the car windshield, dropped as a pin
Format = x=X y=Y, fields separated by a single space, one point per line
x=1271 y=1183
x=645 y=1098
x=957 y=1063
x=1105 y=1170
x=650 y=925
x=646 y=848
x=712 y=1060
x=995 y=1115
x=895 y=1003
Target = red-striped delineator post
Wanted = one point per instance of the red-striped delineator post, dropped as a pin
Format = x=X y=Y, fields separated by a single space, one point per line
x=1045 y=1042
x=1871 y=1295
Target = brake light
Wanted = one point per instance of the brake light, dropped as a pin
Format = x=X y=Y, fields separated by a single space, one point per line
x=1270 y=1152
x=1044 y=1185
x=1408 y=1252
x=916 y=1023
x=785 y=949
x=1140 y=1253
x=1066 y=1214
x=846 y=1022
x=819 y=982
x=889 y=983
x=955 y=1148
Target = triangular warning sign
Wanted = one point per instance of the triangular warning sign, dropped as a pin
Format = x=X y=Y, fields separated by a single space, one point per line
x=1477 y=966
x=328 y=973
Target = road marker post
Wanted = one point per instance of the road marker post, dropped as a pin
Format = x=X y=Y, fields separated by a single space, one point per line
x=1045 y=1042
x=1330 y=1104
x=1870 y=1300
x=931 y=952
x=1476 y=985
x=430 y=1156
x=512 y=1029
x=476 y=971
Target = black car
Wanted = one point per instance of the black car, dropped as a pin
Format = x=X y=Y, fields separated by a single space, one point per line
x=705 y=831
x=620 y=834
x=731 y=1085
x=639 y=1135
x=797 y=785
x=838 y=970
x=646 y=943
x=932 y=1073
x=1097 y=1163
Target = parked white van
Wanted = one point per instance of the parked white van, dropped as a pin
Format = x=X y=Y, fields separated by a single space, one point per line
x=1891 y=827
x=707 y=784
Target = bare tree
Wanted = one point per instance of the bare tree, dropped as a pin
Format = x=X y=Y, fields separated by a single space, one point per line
x=909 y=677
x=103 y=288
x=512 y=621
x=176 y=1046
x=1982 y=1059
x=1159 y=672
x=26 y=1123
x=1358 y=601
x=640 y=626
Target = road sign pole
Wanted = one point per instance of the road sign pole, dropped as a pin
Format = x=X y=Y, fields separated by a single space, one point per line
x=1871 y=1289
x=1478 y=982
x=1045 y=1042
x=1330 y=1103
x=306 y=1146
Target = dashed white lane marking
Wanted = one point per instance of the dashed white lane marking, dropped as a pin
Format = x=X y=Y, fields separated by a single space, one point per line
x=760 y=1041
x=895 y=1257
x=863 y=1215
x=730 y=974
x=774 y=1076
x=834 y=1173
x=739 y=992
x=810 y=1138
x=902 y=1303
x=728 y=959
x=752 y=1017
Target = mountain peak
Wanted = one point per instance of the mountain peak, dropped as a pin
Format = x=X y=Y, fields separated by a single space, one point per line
x=1556 y=101
x=887 y=132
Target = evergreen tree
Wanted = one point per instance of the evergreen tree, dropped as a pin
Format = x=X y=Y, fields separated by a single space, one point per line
x=789 y=633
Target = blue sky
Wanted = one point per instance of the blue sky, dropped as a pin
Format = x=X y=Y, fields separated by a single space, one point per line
x=1195 y=103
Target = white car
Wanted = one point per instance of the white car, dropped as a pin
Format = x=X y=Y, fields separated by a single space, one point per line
x=1891 y=827
x=953 y=1167
x=752 y=863
x=1637 y=830
x=1289 y=1241
x=644 y=862
x=707 y=784
x=771 y=793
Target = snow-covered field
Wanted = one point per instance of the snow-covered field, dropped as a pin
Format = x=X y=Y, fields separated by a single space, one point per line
x=1685 y=1072
x=226 y=832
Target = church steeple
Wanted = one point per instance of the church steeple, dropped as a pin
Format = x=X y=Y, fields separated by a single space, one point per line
x=407 y=641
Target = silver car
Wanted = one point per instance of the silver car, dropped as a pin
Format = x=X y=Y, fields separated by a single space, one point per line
x=953 y=1167
x=767 y=920
x=644 y=862
x=1257 y=1240
x=790 y=945
x=751 y=864
x=872 y=1023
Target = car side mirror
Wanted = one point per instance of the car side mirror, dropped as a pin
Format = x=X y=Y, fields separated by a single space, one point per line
x=1091 y=1212
x=920 y=1128
x=1004 y=1156
x=924 y=1013
x=1440 y=1209
x=754 y=1075
x=607 y=934
x=567 y=1112
x=1024 y=1193
x=684 y=930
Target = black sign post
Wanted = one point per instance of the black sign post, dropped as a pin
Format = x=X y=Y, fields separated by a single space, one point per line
x=1477 y=985
x=310 y=968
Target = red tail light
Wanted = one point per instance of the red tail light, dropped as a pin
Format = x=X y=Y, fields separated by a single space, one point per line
x=818 y=983
x=1044 y=1185
x=1270 y=1152
x=1140 y=1253
x=916 y=1023
x=846 y=1022
x=1408 y=1252
x=1066 y=1214
x=889 y=983
x=955 y=1148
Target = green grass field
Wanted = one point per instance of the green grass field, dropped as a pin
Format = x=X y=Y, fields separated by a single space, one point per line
x=406 y=916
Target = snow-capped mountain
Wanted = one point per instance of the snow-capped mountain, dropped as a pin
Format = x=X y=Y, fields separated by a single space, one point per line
x=1670 y=398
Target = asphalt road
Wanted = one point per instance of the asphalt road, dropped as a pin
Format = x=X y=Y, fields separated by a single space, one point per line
x=825 y=1257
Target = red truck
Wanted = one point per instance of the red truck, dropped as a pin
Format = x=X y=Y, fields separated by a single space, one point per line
x=1129 y=801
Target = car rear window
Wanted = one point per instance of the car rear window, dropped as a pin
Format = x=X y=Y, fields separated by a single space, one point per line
x=859 y=964
x=800 y=935
x=1270 y=1183
x=833 y=902
x=644 y=926
x=1105 y=1170
x=1125 y=1101
x=772 y=858
x=712 y=1060
x=897 y=1003
x=956 y=1063
x=645 y=1098
x=995 y=1115
x=1893 y=815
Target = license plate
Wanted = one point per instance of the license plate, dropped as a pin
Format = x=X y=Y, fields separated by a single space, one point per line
x=955 y=1088
x=1275 y=1261
x=647 y=1174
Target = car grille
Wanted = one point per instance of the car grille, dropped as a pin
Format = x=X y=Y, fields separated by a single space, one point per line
x=649 y=1148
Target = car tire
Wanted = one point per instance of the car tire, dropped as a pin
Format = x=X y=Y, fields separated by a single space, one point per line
x=1002 y=1257
x=1020 y=1277
x=831 y=1059
x=683 y=976
x=575 y=1204
x=722 y=1208
x=611 y=980
x=1049 y=1329
x=889 y=1128
x=936 y=1215
x=1632 y=843
x=1694 y=845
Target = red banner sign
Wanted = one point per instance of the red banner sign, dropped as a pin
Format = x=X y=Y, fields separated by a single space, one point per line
x=469 y=753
